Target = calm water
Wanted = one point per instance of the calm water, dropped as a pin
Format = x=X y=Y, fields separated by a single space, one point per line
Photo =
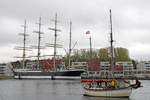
x=57 y=90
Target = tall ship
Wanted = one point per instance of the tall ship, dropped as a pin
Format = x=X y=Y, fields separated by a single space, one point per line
x=106 y=85
x=52 y=68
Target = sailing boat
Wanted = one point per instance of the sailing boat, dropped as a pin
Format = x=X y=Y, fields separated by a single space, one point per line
x=108 y=85
x=55 y=73
x=63 y=73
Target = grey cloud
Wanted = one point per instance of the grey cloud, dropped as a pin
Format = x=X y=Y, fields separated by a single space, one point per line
x=131 y=23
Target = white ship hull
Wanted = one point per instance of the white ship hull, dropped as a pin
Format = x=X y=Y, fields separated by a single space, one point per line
x=109 y=93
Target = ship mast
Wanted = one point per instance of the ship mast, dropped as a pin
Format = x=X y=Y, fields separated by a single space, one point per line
x=55 y=45
x=24 y=48
x=69 y=63
x=38 y=47
x=39 y=42
x=55 y=35
x=111 y=43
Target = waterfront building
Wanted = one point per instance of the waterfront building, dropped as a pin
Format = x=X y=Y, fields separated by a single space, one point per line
x=31 y=65
x=143 y=68
x=6 y=69
x=127 y=67
x=104 y=65
x=140 y=69
x=3 y=69
x=147 y=66
x=140 y=66
x=45 y=64
x=120 y=68
x=79 y=65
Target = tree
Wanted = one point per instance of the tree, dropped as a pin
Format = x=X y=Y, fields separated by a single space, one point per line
x=83 y=55
x=103 y=54
x=134 y=64
x=121 y=54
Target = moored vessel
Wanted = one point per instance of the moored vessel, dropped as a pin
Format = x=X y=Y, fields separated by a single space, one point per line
x=54 y=70
x=106 y=85
x=64 y=74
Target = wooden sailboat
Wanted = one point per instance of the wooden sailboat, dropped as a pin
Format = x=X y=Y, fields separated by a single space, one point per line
x=109 y=86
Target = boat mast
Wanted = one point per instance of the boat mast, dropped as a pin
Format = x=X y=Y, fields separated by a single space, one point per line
x=90 y=49
x=39 y=43
x=69 y=63
x=111 y=44
x=55 y=45
x=38 y=47
x=24 y=46
x=55 y=35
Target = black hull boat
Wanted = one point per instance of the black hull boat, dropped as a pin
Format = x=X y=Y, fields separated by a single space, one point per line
x=64 y=74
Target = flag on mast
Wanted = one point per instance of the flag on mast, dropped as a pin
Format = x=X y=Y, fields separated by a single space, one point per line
x=88 y=32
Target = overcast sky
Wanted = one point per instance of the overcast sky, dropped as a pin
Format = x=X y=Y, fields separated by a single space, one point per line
x=131 y=24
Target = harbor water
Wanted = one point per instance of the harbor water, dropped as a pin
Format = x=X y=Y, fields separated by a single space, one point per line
x=58 y=90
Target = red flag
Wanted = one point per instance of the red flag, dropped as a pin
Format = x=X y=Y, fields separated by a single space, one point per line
x=88 y=32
